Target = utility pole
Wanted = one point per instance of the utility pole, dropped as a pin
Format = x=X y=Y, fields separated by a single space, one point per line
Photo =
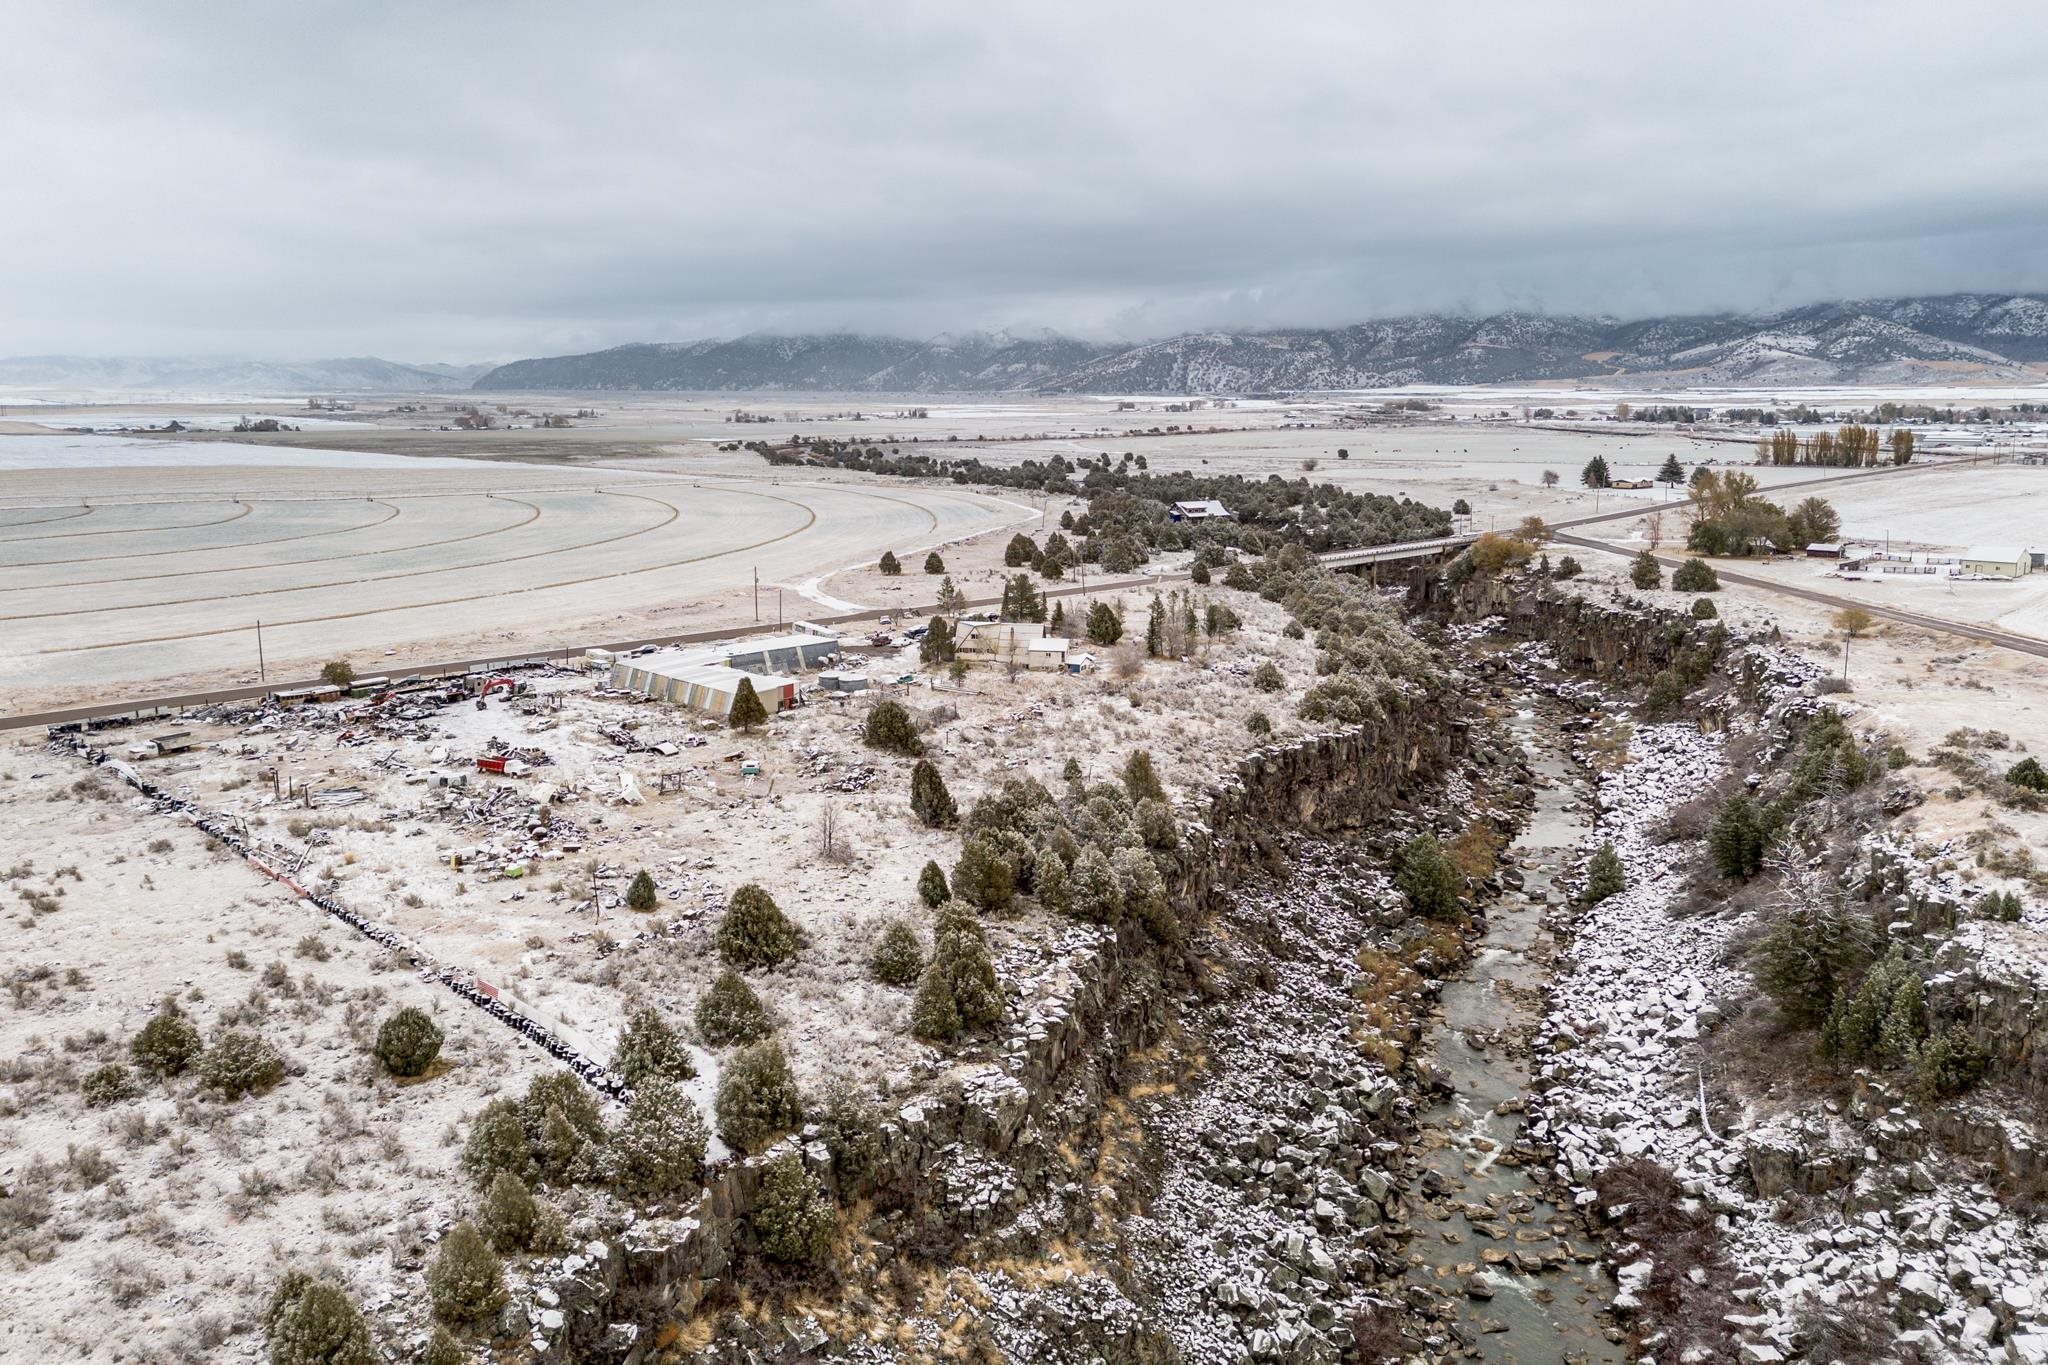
x=262 y=674
x=778 y=606
x=757 y=595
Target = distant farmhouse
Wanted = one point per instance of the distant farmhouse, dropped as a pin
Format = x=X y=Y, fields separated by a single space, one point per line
x=1198 y=511
x=1999 y=561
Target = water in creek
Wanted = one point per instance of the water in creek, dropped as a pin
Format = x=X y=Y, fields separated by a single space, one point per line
x=1524 y=1278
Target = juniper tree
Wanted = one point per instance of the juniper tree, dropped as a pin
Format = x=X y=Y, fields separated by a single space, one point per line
x=312 y=1322
x=1425 y=876
x=754 y=932
x=950 y=599
x=1595 y=474
x=240 y=1064
x=506 y=1214
x=1703 y=609
x=564 y=1128
x=1092 y=892
x=792 y=1219
x=757 y=1097
x=1104 y=627
x=466 y=1282
x=852 y=1132
x=931 y=884
x=939 y=644
x=1738 y=838
x=1672 y=472
x=1155 y=627
x=2028 y=773
x=1057 y=623
x=934 y=564
x=1695 y=575
x=1020 y=551
x=888 y=727
x=1267 y=677
x=659 y=1149
x=1140 y=780
x=983 y=877
x=959 y=990
x=1604 y=876
x=747 y=708
x=898 y=958
x=930 y=802
x=730 y=1012
x=1199 y=575
x=889 y=565
x=649 y=1049
x=497 y=1145
x=640 y=893
x=1644 y=571
x=408 y=1042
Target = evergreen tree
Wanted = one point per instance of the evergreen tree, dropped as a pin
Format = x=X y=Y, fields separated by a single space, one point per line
x=931 y=884
x=1568 y=567
x=730 y=1012
x=649 y=1048
x=852 y=1131
x=889 y=565
x=959 y=990
x=930 y=802
x=659 y=1149
x=757 y=1097
x=1058 y=624
x=939 y=645
x=1103 y=626
x=1022 y=601
x=1737 y=839
x=984 y=877
x=934 y=564
x=466 y=1282
x=1883 y=1020
x=240 y=1064
x=888 y=727
x=898 y=958
x=1140 y=780
x=1155 y=628
x=792 y=1219
x=640 y=894
x=950 y=598
x=1092 y=892
x=1020 y=551
x=1645 y=572
x=408 y=1042
x=1267 y=677
x=2028 y=773
x=1673 y=472
x=497 y=1145
x=747 y=708
x=1695 y=575
x=506 y=1215
x=1604 y=876
x=1595 y=474
x=1427 y=878
x=1199 y=575
x=1703 y=609
x=754 y=932
x=1811 y=953
x=312 y=1322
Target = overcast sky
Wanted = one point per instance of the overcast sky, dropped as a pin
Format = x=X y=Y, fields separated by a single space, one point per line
x=467 y=181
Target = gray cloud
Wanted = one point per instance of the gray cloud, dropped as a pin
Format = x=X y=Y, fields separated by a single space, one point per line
x=490 y=180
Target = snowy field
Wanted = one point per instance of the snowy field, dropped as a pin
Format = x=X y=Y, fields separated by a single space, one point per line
x=161 y=566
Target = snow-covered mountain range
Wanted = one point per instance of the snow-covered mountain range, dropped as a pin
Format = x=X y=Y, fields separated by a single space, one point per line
x=227 y=375
x=1949 y=339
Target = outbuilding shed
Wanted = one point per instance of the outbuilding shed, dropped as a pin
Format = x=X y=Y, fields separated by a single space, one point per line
x=693 y=681
x=1995 y=561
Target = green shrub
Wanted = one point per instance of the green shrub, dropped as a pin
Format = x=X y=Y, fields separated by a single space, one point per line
x=930 y=802
x=984 y=877
x=1140 y=780
x=443 y=1349
x=408 y=1042
x=1156 y=825
x=1994 y=905
x=564 y=1128
x=754 y=932
x=505 y=1216
x=898 y=958
x=1605 y=876
x=1426 y=877
x=1104 y=627
x=1703 y=609
x=757 y=1097
x=889 y=564
x=1567 y=567
x=1259 y=724
x=1092 y=891
x=240 y=1064
x=730 y=1012
x=931 y=884
x=888 y=727
x=1267 y=677
x=649 y=1048
x=107 y=1085
x=312 y=1322
x=792 y=1219
x=1808 y=956
x=640 y=894
x=1738 y=838
x=1144 y=894
x=934 y=564
x=659 y=1150
x=2028 y=773
x=1020 y=551
x=497 y=1145
x=168 y=1043
x=1948 y=1064
x=1695 y=575
x=466 y=1281
x=1645 y=572
x=1199 y=575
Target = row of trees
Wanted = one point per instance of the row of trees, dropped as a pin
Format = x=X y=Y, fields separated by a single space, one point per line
x=1851 y=447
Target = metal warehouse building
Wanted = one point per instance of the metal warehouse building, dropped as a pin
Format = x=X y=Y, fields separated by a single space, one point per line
x=701 y=683
x=783 y=653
